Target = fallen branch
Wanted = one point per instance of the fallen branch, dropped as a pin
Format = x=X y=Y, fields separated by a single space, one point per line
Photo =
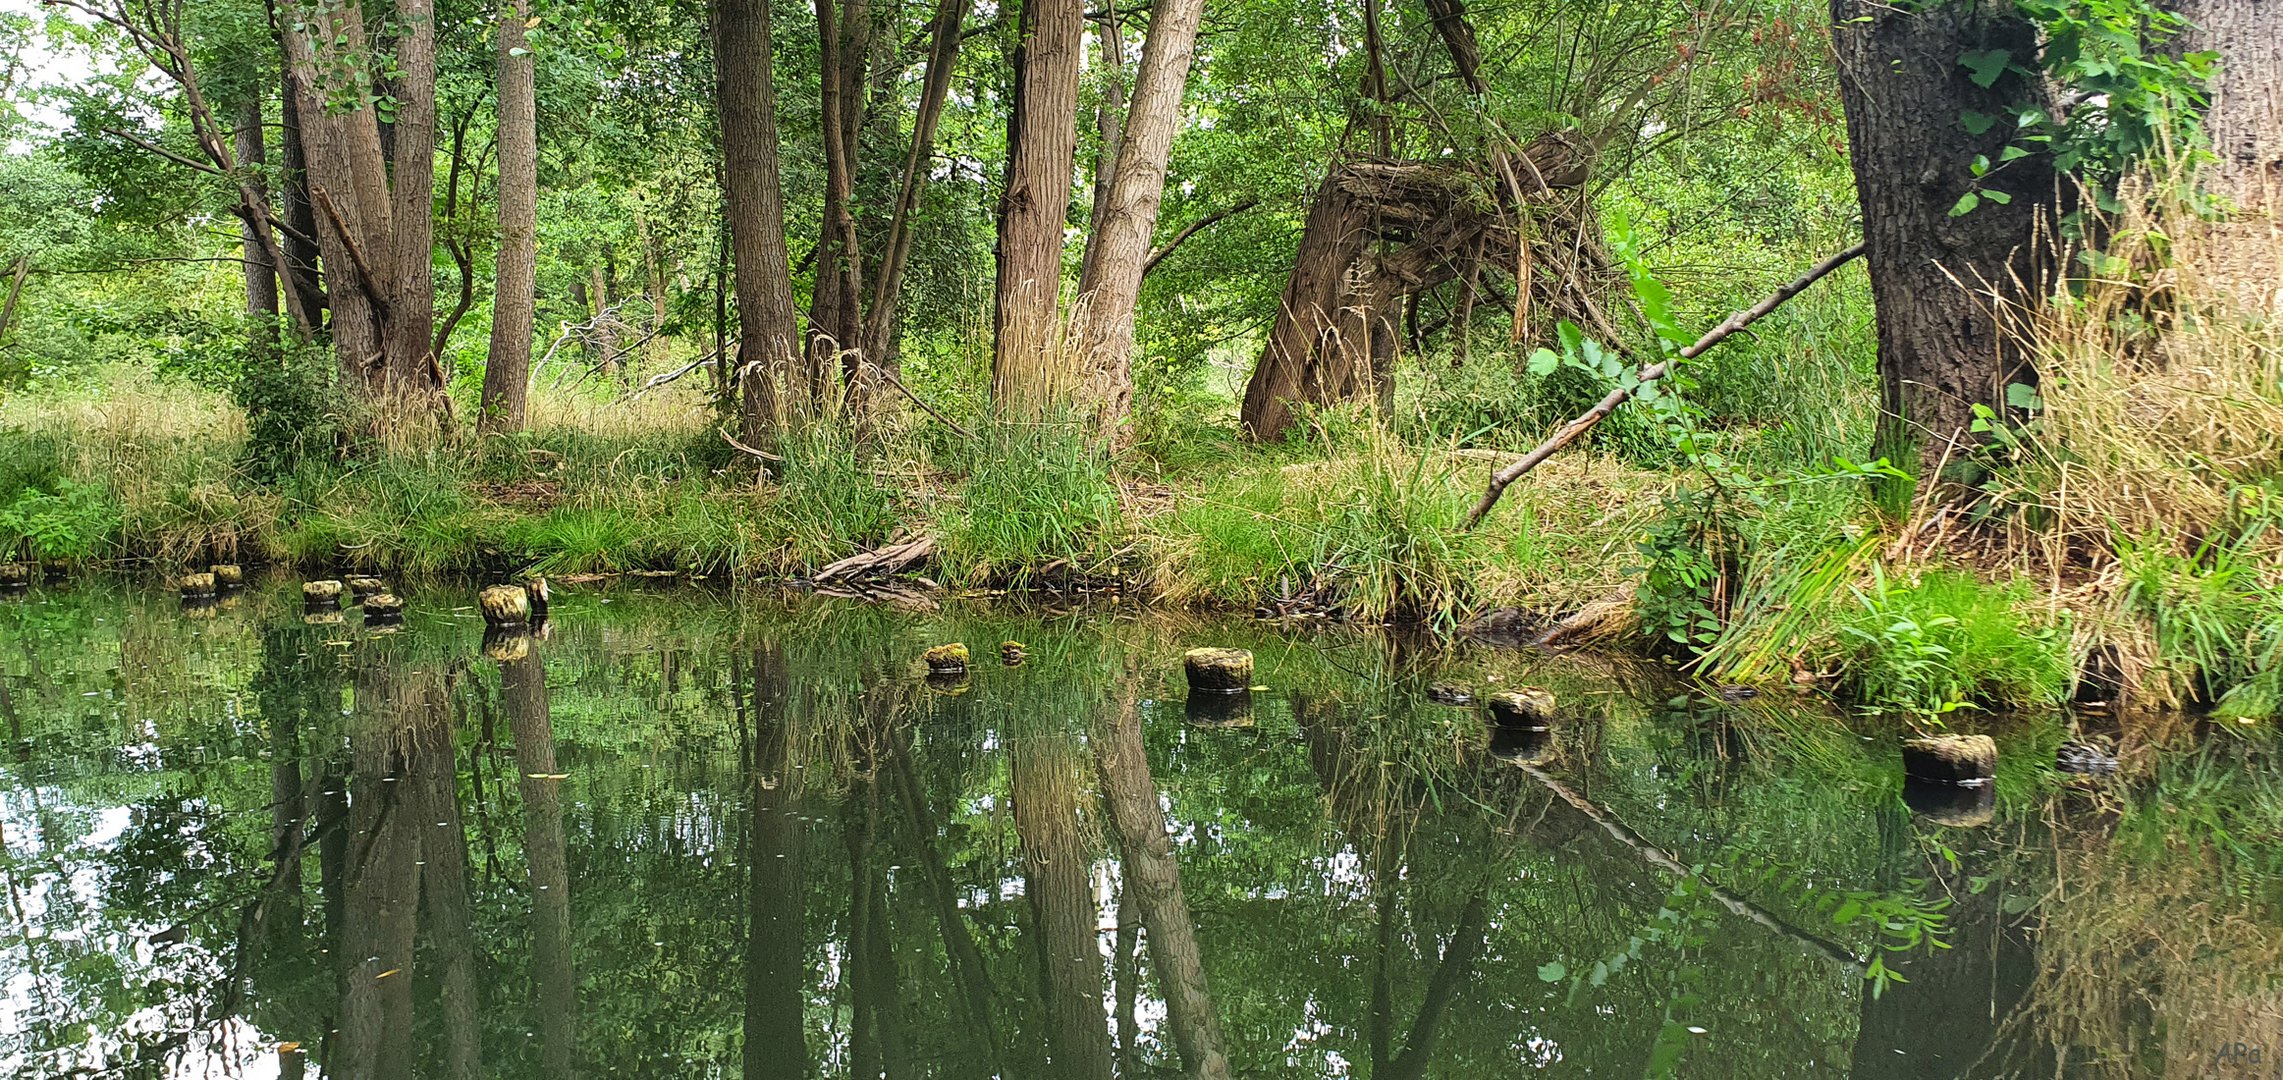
x=656 y=381
x=892 y=559
x=1568 y=433
x=742 y=448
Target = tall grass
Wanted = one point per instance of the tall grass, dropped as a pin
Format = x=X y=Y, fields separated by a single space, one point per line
x=1039 y=501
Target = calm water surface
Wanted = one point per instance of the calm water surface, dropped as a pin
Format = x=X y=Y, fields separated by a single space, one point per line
x=689 y=836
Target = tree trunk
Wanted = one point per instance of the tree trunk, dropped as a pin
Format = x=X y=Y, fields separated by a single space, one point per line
x=507 y=369
x=1153 y=886
x=776 y=971
x=409 y=342
x=300 y=219
x=1308 y=312
x=835 y=319
x=16 y=276
x=1058 y=882
x=768 y=354
x=1935 y=276
x=523 y=696
x=1109 y=286
x=261 y=278
x=2245 y=120
x=1029 y=368
x=1109 y=122
x=943 y=52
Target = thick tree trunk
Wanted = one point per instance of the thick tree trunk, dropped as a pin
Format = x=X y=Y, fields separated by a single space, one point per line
x=300 y=218
x=1309 y=312
x=1153 y=886
x=2245 y=120
x=768 y=351
x=413 y=373
x=1030 y=366
x=1109 y=122
x=1109 y=285
x=507 y=369
x=1059 y=884
x=261 y=277
x=1936 y=277
x=835 y=319
x=523 y=696
x=943 y=53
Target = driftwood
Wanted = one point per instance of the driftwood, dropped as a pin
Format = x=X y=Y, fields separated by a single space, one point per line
x=892 y=559
x=1569 y=432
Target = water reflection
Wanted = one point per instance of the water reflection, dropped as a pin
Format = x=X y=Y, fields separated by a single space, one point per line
x=683 y=838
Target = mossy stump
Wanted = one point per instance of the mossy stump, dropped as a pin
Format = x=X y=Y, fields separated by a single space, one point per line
x=505 y=605
x=950 y=683
x=16 y=575
x=506 y=644
x=361 y=587
x=950 y=659
x=1526 y=709
x=321 y=595
x=228 y=575
x=195 y=585
x=1950 y=759
x=1218 y=671
x=384 y=608
x=1013 y=653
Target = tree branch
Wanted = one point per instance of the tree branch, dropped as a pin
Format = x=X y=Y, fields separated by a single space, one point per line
x=1569 y=433
x=154 y=148
x=1192 y=229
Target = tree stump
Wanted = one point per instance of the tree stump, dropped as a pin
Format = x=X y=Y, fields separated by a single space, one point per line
x=15 y=575
x=321 y=595
x=228 y=575
x=1218 y=671
x=507 y=644
x=1220 y=710
x=195 y=585
x=199 y=607
x=1526 y=709
x=505 y=605
x=1950 y=759
x=535 y=590
x=1527 y=746
x=383 y=608
x=1013 y=653
x=361 y=587
x=948 y=659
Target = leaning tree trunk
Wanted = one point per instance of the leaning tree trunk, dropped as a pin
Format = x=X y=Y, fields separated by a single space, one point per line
x=1938 y=278
x=835 y=318
x=1028 y=368
x=895 y=255
x=301 y=221
x=1308 y=313
x=2245 y=120
x=1109 y=285
x=261 y=278
x=507 y=369
x=768 y=351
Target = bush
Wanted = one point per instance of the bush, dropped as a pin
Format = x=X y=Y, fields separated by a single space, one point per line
x=1036 y=494
x=1950 y=642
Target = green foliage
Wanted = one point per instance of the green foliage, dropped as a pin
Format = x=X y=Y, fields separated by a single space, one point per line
x=295 y=409
x=1036 y=495
x=1947 y=642
x=2131 y=96
x=2217 y=621
x=66 y=522
x=829 y=499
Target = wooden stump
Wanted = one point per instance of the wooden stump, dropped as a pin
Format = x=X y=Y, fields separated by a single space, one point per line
x=361 y=587
x=507 y=644
x=1950 y=759
x=1218 y=671
x=319 y=595
x=948 y=659
x=1013 y=653
x=15 y=575
x=1526 y=709
x=1220 y=710
x=383 y=608
x=1958 y=805
x=228 y=575
x=199 y=607
x=505 y=605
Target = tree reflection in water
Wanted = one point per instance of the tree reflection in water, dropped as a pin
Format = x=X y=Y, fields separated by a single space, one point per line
x=688 y=837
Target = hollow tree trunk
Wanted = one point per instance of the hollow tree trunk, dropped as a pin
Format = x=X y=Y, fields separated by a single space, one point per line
x=768 y=354
x=1934 y=276
x=1029 y=368
x=1110 y=283
x=507 y=368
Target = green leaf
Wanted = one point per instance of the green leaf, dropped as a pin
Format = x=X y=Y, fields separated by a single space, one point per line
x=1966 y=204
x=1986 y=65
x=2012 y=153
x=1994 y=195
x=1543 y=362
x=1552 y=971
x=1976 y=123
x=1980 y=165
x=2023 y=396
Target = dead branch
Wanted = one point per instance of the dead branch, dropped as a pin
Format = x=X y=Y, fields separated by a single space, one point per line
x=892 y=559
x=890 y=378
x=1569 y=433
x=744 y=449
x=1192 y=229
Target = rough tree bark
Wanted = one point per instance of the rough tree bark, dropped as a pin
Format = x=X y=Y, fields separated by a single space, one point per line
x=1936 y=279
x=1109 y=120
x=2245 y=120
x=1109 y=285
x=507 y=369
x=835 y=316
x=768 y=351
x=299 y=217
x=1028 y=368
x=261 y=275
